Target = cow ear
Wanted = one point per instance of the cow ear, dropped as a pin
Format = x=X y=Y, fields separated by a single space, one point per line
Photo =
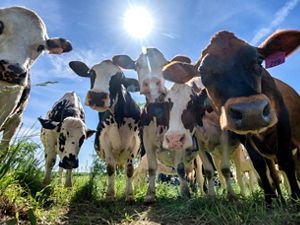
x=179 y=72
x=124 y=61
x=131 y=84
x=49 y=124
x=281 y=41
x=58 y=45
x=181 y=58
x=80 y=68
x=89 y=133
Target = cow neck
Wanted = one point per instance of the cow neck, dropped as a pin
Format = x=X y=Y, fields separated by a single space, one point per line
x=124 y=107
x=148 y=115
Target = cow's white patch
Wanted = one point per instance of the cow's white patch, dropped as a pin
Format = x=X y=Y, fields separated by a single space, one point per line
x=119 y=143
x=73 y=129
x=24 y=31
x=179 y=96
x=104 y=71
x=149 y=69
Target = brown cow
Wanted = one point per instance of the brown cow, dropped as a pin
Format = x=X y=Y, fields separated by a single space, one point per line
x=249 y=101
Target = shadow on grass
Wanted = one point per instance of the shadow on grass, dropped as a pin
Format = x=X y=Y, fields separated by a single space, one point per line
x=85 y=208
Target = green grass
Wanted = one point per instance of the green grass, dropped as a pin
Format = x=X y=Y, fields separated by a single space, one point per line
x=23 y=199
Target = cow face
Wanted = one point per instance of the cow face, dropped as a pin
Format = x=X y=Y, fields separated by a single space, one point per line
x=184 y=116
x=238 y=85
x=149 y=69
x=70 y=137
x=23 y=37
x=106 y=80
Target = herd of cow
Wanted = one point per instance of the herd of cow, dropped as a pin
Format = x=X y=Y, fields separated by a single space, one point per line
x=240 y=110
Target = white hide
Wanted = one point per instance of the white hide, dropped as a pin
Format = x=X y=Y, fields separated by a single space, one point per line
x=149 y=68
x=179 y=96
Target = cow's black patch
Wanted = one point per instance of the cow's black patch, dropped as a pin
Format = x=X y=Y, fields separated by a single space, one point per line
x=107 y=122
x=1 y=27
x=130 y=126
x=62 y=142
x=81 y=140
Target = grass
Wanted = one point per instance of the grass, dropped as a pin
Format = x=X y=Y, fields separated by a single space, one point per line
x=23 y=200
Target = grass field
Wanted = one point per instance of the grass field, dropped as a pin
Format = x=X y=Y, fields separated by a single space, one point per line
x=23 y=200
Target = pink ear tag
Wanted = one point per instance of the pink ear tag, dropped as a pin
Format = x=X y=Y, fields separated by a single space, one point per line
x=275 y=59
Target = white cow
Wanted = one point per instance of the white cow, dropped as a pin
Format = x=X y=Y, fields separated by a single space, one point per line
x=23 y=37
x=63 y=133
x=117 y=138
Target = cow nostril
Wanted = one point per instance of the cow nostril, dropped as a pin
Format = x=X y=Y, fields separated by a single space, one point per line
x=167 y=140
x=235 y=114
x=266 y=111
x=182 y=138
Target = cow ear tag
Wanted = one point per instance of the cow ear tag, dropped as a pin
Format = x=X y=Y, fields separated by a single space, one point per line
x=275 y=59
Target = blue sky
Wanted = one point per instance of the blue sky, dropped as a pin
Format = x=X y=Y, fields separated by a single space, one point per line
x=96 y=31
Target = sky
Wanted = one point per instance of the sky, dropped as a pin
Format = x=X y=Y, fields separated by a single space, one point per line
x=96 y=30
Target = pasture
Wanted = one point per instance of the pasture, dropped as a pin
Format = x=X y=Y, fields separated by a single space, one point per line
x=24 y=200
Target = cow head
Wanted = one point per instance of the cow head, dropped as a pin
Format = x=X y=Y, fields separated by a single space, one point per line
x=23 y=37
x=149 y=69
x=236 y=82
x=107 y=80
x=184 y=107
x=71 y=135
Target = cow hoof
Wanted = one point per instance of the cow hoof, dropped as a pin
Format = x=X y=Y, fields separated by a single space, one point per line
x=185 y=194
x=110 y=198
x=149 y=200
x=129 y=199
x=232 y=197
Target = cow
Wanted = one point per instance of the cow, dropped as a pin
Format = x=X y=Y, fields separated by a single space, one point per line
x=153 y=119
x=261 y=110
x=63 y=133
x=117 y=138
x=23 y=37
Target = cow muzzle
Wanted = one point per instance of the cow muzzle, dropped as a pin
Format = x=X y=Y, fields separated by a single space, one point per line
x=97 y=100
x=244 y=115
x=69 y=162
x=12 y=73
x=175 y=141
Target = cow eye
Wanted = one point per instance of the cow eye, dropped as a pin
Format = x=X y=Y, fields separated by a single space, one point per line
x=1 y=27
x=40 y=48
x=260 y=60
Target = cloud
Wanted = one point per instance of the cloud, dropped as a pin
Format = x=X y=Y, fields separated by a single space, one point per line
x=279 y=17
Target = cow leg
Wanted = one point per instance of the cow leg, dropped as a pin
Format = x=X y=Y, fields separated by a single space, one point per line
x=129 y=173
x=237 y=157
x=10 y=128
x=286 y=163
x=260 y=166
x=184 y=187
x=209 y=173
x=111 y=168
x=199 y=175
x=275 y=177
x=49 y=141
x=152 y=168
x=217 y=160
x=69 y=178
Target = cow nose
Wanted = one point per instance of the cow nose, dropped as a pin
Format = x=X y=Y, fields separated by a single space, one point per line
x=175 y=140
x=251 y=114
x=96 y=98
x=69 y=162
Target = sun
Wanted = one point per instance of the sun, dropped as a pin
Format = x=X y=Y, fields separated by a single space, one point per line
x=138 y=22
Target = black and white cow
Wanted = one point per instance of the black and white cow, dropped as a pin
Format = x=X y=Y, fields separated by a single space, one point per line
x=23 y=37
x=154 y=119
x=117 y=139
x=63 y=133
